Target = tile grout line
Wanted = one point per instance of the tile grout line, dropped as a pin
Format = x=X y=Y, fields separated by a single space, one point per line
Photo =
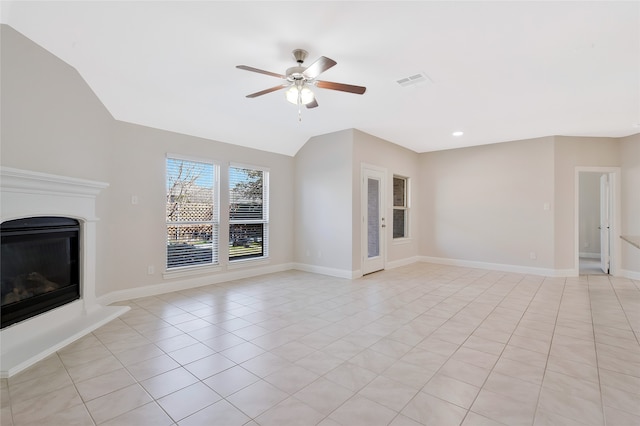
x=546 y=364
x=505 y=345
x=595 y=346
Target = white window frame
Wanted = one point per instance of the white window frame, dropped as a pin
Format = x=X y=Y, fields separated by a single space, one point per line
x=405 y=208
x=265 y=213
x=214 y=222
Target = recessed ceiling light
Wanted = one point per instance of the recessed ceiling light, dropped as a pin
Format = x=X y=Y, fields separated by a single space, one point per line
x=458 y=133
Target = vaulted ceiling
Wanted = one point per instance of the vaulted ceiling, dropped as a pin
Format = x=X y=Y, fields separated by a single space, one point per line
x=497 y=71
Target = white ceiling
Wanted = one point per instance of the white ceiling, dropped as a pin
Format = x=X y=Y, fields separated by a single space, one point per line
x=499 y=71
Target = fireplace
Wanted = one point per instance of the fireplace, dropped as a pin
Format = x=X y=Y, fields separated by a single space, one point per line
x=40 y=266
x=48 y=228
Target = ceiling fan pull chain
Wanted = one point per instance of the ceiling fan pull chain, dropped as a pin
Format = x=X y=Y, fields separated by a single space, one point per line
x=299 y=105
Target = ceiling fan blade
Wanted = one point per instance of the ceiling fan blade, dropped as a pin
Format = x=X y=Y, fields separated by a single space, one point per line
x=312 y=104
x=265 y=91
x=319 y=66
x=252 y=69
x=359 y=90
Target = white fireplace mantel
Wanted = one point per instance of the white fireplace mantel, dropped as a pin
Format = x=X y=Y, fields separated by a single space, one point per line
x=29 y=194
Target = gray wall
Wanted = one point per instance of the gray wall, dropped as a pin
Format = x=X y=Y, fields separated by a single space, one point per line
x=140 y=171
x=630 y=162
x=487 y=203
x=323 y=203
x=371 y=150
x=53 y=123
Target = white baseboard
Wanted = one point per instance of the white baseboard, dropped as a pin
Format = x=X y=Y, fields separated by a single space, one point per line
x=587 y=255
x=189 y=283
x=199 y=281
x=632 y=275
x=402 y=262
x=333 y=272
x=519 y=269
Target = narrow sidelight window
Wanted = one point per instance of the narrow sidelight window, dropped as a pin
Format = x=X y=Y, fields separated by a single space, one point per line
x=400 y=207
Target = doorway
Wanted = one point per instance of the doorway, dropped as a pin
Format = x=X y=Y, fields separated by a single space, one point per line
x=373 y=186
x=596 y=224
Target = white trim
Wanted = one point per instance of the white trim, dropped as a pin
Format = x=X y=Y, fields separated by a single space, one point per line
x=195 y=159
x=586 y=255
x=402 y=262
x=266 y=209
x=406 y=208
x=401 y=241
x=333 y=272
x=368 y=170
x=214 y=222
x=615 y=225
x=632 y=275
x=27 y=194
x=248 y=262
x=28 y=182
x=189 y=283
x=502 y=267
x=248 y=166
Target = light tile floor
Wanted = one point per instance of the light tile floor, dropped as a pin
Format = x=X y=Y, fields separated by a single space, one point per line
x=420 y=345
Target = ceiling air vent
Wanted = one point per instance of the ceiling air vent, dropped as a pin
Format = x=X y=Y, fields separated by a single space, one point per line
x=414 y=80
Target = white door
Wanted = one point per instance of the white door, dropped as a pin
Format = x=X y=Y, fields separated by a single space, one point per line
x=373 y=221
x=605 y=202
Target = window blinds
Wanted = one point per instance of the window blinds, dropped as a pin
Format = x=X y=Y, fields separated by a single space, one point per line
x=191 y=213
x=248 y=213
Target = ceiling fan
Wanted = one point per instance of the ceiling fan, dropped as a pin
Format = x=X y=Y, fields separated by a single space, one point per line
x=299 y=79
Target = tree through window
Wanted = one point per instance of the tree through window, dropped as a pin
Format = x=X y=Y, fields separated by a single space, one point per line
x=248 y=213
x=191 y=213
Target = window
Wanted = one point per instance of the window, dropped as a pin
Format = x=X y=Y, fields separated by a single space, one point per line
x=400 y=207
x=192 y=213
x=248 y=213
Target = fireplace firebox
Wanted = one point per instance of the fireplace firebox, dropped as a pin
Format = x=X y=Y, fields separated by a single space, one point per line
x=40 y=266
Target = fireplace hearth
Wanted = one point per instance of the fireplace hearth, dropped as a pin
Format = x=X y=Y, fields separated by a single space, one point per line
x=39 y=268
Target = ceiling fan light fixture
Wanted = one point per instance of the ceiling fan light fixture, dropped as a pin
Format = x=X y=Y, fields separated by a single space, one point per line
x=299 y=95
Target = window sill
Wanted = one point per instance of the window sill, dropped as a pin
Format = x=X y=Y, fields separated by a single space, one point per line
x=189 y=271
x=241 y=263
x=400 y=241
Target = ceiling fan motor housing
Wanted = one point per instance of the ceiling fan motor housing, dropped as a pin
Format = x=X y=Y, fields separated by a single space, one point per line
x=300 y=55
x=295 y=73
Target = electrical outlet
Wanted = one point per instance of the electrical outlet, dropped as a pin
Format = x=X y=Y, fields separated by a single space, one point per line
x=532 y=255
x=151 y=270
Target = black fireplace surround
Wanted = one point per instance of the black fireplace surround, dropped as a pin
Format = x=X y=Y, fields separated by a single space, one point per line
x=40 y=266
